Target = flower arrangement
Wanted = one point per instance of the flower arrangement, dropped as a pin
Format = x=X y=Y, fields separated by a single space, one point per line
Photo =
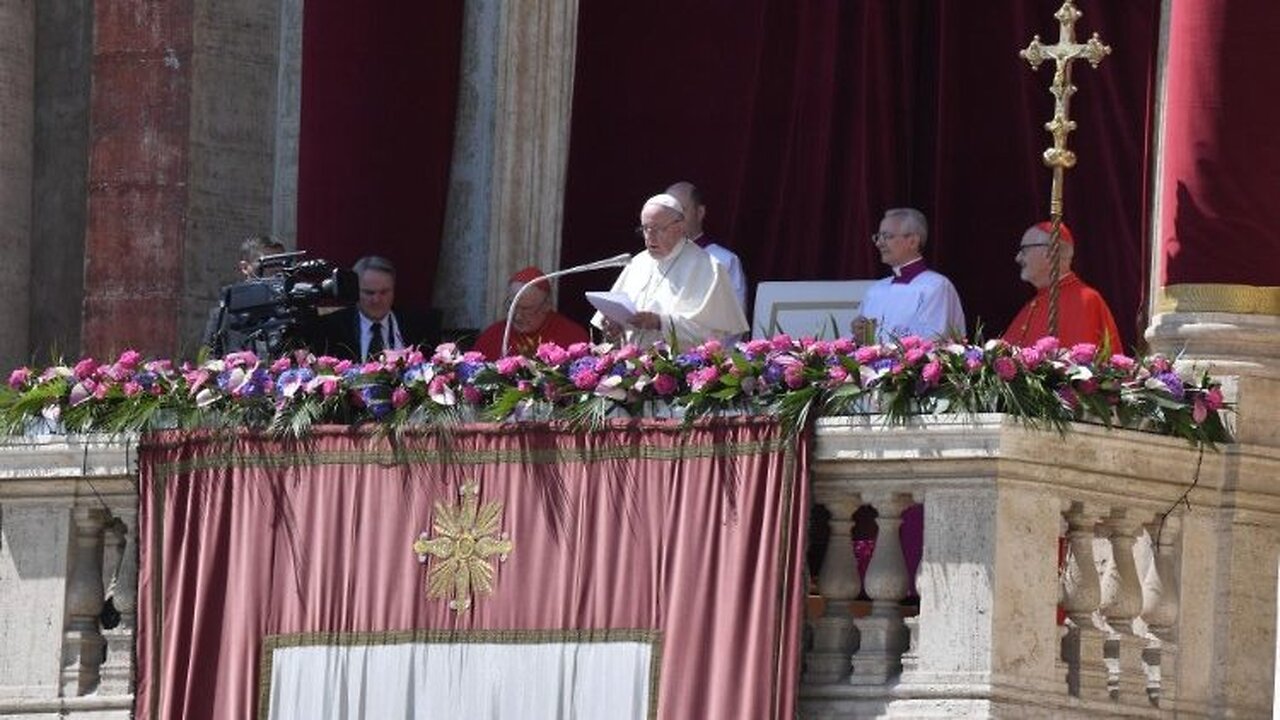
x=1042 y=384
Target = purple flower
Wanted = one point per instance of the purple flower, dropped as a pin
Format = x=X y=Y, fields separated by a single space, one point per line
x=1173 y=383
x=468 y=370
x=19 y=377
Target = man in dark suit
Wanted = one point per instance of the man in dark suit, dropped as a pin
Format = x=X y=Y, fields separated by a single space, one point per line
x=362 y=332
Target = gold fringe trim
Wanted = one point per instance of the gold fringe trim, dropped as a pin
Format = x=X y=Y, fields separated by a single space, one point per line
x=1224 y=298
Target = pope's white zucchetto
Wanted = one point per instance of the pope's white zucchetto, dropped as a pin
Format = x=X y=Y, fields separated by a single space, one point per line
x=666 y=201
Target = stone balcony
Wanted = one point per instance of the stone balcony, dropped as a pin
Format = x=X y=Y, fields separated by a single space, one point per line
x=1131 y=515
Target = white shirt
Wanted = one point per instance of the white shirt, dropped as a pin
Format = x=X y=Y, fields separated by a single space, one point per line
x=391 y=339
x=928 y=307
x=689 y=291
x=733 y=265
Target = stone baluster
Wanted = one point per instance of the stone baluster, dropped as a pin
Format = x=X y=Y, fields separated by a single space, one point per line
x=1122 y=603
x=1082 y=646
x=882 y=633
x=83 y=645
x=120 y=571
x=1160 y=606
x=834 y=636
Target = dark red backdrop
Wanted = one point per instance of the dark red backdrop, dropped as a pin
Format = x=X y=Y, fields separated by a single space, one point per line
x=379 y=89
x=804 y=121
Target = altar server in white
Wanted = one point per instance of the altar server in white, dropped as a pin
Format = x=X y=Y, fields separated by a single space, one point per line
x=913 y=300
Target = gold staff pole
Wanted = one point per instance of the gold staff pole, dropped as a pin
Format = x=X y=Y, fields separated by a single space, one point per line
x=1058 y=157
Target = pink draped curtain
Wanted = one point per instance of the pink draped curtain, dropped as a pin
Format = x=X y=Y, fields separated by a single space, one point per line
x=696 y=534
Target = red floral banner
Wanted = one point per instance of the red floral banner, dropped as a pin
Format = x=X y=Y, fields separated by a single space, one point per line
x=690 y=537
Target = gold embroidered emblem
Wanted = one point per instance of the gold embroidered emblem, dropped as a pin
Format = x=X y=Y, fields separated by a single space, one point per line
x=466 y=537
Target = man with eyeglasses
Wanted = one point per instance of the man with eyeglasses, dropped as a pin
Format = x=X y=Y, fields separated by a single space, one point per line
x=1083 y=315
x=678 y=290
x=913 y=300
x=533 y=323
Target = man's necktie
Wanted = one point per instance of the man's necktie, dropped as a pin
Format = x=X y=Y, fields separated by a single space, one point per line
x=376 y=344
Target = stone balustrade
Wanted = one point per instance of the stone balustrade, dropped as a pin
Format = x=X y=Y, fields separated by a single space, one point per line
x=68 y=511
x=1096 y=573
x=1161 y=559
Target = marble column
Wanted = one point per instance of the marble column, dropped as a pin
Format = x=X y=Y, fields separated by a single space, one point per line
x=512 y=150
x=17 y=128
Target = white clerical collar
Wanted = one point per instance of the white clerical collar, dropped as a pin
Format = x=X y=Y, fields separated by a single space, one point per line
x=897 y=269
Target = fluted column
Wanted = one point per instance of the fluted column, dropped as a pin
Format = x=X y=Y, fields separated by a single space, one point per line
x=882 y=634
x=834 y=635
x=82 y=644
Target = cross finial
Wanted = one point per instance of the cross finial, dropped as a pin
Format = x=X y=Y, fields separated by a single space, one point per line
x=1058 y=157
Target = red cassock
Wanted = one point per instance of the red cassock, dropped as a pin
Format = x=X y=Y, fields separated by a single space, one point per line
x=557 y=329
x=1083 y=317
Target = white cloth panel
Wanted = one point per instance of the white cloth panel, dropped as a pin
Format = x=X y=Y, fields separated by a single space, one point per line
x=479 y=681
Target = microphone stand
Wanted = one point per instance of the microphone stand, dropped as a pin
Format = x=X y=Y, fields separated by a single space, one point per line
x=615 y=261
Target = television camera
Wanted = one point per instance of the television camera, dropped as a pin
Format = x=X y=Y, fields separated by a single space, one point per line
x=272 y=313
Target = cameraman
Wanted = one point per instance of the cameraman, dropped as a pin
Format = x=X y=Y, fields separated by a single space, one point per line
x=252 y=249
x=362 y=332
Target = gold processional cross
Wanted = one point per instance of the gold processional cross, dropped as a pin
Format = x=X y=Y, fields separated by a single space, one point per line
x=1058 y=157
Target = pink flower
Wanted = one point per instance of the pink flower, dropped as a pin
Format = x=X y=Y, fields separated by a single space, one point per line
x=1087 y=387
x=932 y=372
x=329 y=386
x=587 y=379
x=473 y=356
x=579 y=349
x=1083 y=353
x=131 y=388
x=837 y=375
x=793 y=375
x=711 y=347
x=471 y=394
x=1199 y=410
x=552 y=354
x=867 y=354
x=1123 y=363
x=1213 y=398
x=914 y=356
x=627 y=352
x=702 y=377
x=160 y=367
x=510 y=365
x=399 y=397
x=1047 y=345
x=1030 y=357
x=910 y=341
x=842 y=346
x=341 y=366
x=781 y=342
x=19 y=377
x=664 y=384
x=1006 y=369
x=129 y=359
x=283 y=363
x=524 y=386
x=758 y=346
x=84 y=368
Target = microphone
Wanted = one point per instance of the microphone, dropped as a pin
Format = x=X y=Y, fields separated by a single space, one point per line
x=616 y=261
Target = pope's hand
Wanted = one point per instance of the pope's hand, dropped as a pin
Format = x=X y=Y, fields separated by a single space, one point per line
x=647 y=321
